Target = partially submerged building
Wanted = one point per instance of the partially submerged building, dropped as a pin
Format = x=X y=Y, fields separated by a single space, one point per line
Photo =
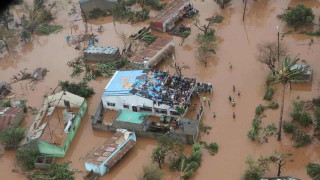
x=154 y=92
x=306 y=77
x=168 y=17
x=154 y=53
x=56 y=123
x=110 y=152
x=5 y=89
x=101 y=54
x=10 y=117
x=105 y=5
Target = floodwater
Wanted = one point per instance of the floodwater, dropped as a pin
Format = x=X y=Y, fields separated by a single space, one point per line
x=236 y=43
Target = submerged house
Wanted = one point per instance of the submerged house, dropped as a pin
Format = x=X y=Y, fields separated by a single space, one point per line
x=154 y=53
x=167 y=18
x=110 y=152
x=56 y=123
x=10 y=117
x=101 y=54
x=153 y=92
x=306 y=77
x=105 y=5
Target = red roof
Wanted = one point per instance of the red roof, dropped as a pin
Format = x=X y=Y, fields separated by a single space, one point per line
x=7 y=116
x=170 y=9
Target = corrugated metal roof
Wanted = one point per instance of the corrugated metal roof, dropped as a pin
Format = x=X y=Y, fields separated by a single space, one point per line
x=120 y=154
x=159 y=44
x=101 y=50
x=7 y=116
x=170 y=9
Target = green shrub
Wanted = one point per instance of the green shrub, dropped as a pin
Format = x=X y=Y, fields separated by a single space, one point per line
x=259 y=110
x=297 y=110
x=212 y=147
x=253 y=134
x=47 y=29
x=305 y=119
x=289 y=127
x=151 y=172
x=11 y=137
x=268 y=94
x=317 y=116
x=298 y=16
x=148 y=38
x=270 y=130
x=55 y=171
x=273 y=105
x=256 y=123
x=316 y=101
x=313 y=170
x=97 y=13
x=82 y=89
x=155 y=4
x=301 y=139
x=270 y=78
x=27 y=155
x=5 y=103
x=254 y=171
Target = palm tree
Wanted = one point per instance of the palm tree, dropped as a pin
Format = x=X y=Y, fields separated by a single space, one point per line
x=284 y=75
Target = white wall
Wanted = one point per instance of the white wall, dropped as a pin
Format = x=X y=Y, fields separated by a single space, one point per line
x=133 y=100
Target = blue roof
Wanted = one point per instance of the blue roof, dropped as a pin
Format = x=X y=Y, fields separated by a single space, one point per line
x=135 y=82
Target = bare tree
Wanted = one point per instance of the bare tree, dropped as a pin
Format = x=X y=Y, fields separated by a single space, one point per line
x=222 y=3
x=268 y=54
x=206 y=28
x=5 y=35
x=203 y=53
x=179 y=68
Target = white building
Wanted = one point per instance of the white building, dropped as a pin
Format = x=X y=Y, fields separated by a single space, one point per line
x=153 y=92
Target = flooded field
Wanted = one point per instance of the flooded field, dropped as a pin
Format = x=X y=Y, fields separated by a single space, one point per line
x=236 y=43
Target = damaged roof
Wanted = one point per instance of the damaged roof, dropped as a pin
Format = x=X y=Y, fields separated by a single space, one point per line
x=162 y=46
x=7 y=116
x=101 y=50
x=170 y=10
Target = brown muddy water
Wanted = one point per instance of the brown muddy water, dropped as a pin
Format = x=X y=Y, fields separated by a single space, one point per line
x=236 y=43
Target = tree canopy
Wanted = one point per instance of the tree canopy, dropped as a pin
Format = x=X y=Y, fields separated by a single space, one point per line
x=298 y=16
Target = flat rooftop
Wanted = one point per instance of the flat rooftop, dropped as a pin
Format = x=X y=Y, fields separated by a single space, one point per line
x=101 y=50
x=131 y=116
x=169 y=9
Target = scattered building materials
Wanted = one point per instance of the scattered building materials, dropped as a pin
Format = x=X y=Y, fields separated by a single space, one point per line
x=56 y=123
x=306 y=77
x=37 y=75
x=110 y=152
x=89 y=5
x=10 y=117
x=153 y=92
x=5 y=89
x=43 y=162
x=154 y=53
x=101 y=54
x=168 y=17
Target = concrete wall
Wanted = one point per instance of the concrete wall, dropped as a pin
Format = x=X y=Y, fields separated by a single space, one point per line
x=89 y=5
x=137 y=101
x=101 y=57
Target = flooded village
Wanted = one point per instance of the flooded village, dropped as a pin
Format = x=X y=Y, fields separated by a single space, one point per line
x=161 y=89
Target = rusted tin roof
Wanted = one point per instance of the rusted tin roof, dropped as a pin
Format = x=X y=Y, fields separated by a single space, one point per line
x=7 y=116
x=120 y=154
x=160 y=44
x=169 y=10
x=106 y=149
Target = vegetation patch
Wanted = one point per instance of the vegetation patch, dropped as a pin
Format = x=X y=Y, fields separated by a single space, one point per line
x=151 y=172
x=47 y=29
x=27 y=154
x=55 y=171
x=212 y=147
x=268 y=94
x=82 y=89
x=97 y=13
x=148 y=38
x=11 y=137
x=313 y=170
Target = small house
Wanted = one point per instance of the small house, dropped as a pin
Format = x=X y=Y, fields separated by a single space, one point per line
x=154 y=53
x=110 y=152
x=104 y=5
x=152 y=92
x=306 y=77
x=101 y=54
x=169 y=15
x=56 y=123
x=10 y=117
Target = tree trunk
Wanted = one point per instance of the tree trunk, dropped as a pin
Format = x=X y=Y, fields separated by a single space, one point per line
x=281 y=112
x=85 y=19
x=279 y=169
x=160 y=166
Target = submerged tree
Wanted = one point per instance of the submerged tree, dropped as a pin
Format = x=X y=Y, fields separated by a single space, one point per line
x=269 y=53
x=179 y=68
x=151 y=172
x=298 y=16
x=207 y=28
x=6 y=17
x=284 y=75
x=204 y=52
x=222 y=3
